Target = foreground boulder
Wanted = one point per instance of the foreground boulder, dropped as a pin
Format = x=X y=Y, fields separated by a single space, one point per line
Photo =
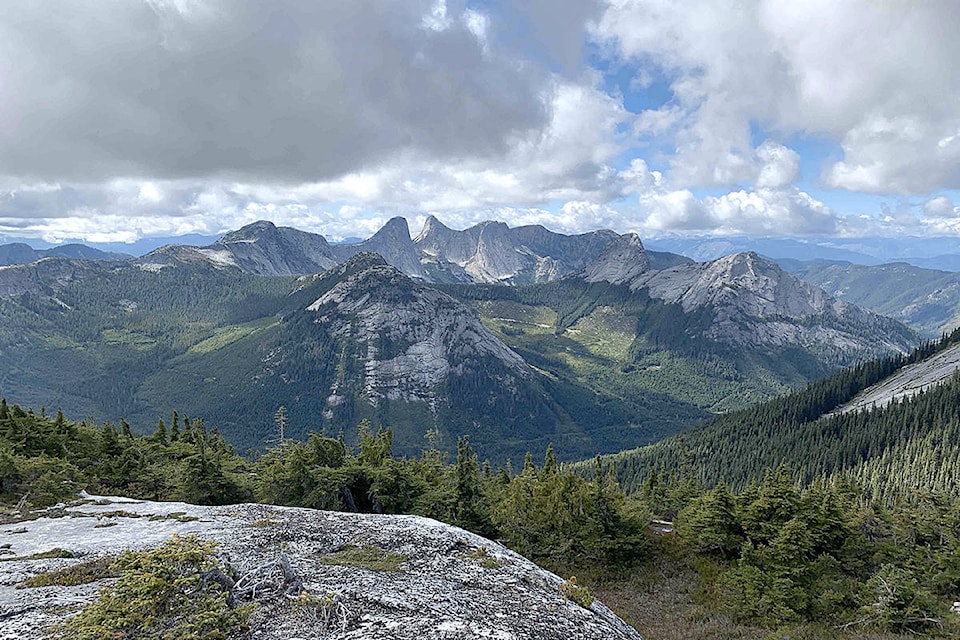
x=319 y=574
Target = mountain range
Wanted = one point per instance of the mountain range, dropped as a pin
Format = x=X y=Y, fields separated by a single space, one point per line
x=926 y=299
x=22 y=253
x=516 y=336
x=925 y=252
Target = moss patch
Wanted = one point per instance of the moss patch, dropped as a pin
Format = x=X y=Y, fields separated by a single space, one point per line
x=82 y=573
x=483 y=557
x=53 y=553
x=366 y=557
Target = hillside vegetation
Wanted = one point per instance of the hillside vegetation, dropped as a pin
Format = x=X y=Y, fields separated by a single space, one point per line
x=908 y=445
x=821 y=561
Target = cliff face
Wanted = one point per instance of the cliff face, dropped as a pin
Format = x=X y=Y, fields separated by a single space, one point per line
x=410 y=337
x=754 y=302
x=447 y=583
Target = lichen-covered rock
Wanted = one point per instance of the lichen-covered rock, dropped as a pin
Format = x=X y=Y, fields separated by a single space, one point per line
x=447 y=582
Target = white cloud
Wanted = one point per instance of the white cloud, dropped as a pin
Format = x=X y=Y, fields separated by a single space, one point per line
x=779 y=166
x=878 y=77
x=940 y=207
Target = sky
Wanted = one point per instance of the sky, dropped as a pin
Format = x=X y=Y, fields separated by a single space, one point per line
x=130 y=119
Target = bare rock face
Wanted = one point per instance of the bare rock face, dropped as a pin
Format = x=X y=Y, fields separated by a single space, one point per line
x=755 y=302
x=496 y=259
x=907 y=382
x=440 y=241
x=493 y=252
x=448 y=583
x=393 y=242
x=620 y=263
x=266 y=249
x=412 y=337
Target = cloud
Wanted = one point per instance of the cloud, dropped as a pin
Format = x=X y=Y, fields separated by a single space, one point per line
x=940 y=207
x=288 y=91
x=779 y=166
x=878 y=77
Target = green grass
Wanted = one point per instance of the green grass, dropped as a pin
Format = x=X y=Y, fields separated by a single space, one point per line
x=365 y=557
x=82 y=573
x=53 y=553
x=228 y=335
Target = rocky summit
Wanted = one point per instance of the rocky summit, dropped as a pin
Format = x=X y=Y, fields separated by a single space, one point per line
x=418 y=579
x=752 y=301
x=410 y=337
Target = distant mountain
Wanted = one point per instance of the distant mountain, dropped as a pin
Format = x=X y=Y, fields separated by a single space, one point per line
x=487 y=252
x=494 y=252
x=931 y=253
x=926 y=299
x=393 y=242
x=604 y=346
x=752 y=301
x=21 y=253
x=45 y=275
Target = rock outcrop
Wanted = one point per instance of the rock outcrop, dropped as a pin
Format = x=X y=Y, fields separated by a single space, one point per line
x=411 y=337
x=752 y=301
x=908 y=381
x=448 y=583
x=620 y=263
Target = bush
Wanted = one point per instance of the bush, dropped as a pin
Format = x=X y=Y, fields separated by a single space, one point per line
x=162 y=594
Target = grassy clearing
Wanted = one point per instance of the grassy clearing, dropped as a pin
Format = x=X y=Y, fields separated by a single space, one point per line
x=227 y=335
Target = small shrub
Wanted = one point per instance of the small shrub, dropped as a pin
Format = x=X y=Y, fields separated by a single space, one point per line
x=161 y=594
x=576 y=593
x=366 y=557
x=482 y=556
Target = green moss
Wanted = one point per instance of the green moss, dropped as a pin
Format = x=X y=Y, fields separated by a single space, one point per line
x=53 y=553
x=366 y=557
x=82 y=573
x=179 y=516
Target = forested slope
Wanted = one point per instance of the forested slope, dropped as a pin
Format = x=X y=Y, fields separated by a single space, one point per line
x=911 y=444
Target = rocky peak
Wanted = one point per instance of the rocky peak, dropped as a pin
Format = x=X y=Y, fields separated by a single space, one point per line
x=753 y=301
x=393 y=242
x=441 y=242
x=432 y=227
x=262 y=247
x=756 y=286
x=620 y=263
x=411 y=337
x=255 y=231
x=496 y=258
